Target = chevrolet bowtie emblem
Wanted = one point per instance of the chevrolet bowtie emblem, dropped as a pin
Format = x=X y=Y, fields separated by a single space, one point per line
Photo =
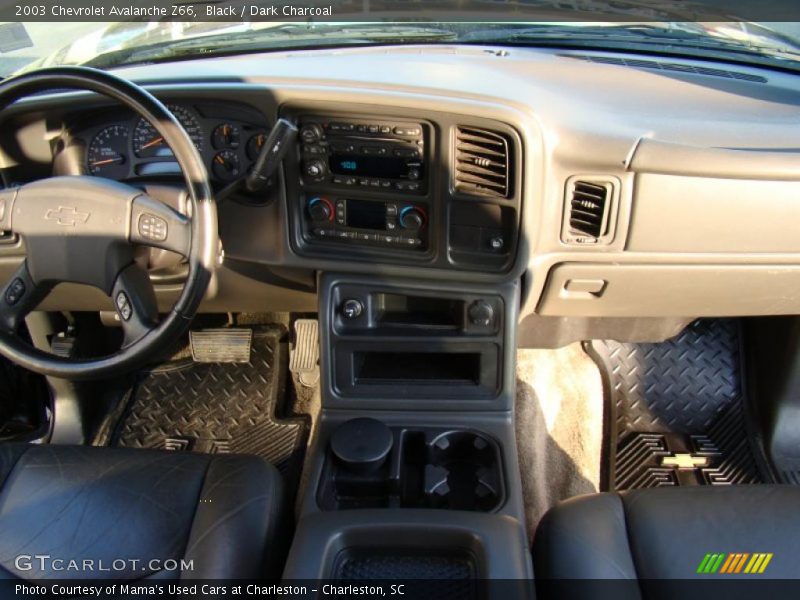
x=684 y=461
x=67 y=216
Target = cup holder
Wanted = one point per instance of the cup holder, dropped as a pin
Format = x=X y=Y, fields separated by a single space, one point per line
x=425 y=468
x=462 y=472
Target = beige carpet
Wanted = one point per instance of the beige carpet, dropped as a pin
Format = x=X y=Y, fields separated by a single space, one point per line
x=559 y=422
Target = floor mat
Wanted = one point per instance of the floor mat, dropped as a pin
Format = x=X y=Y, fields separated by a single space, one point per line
x=678 y=410
x=218 y=408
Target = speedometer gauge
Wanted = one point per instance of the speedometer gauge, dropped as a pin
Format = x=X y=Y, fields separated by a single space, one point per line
x=107 y=153
x=148 y=143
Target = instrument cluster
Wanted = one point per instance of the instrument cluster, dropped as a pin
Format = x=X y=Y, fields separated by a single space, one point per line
x=229 y=138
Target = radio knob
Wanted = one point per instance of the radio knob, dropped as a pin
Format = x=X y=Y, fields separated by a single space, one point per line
x=311 y=133
x=412 y=218
x=320 y=210
x=316 y=169
x=413 y=174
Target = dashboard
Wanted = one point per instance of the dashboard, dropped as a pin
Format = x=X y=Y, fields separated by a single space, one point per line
x=625 y=197
x=123 y=147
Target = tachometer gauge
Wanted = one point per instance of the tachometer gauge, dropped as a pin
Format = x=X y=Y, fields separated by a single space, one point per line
x=225 y=165
x=107 y=152
x=225 y=136
x=254 y=145
x=148 y=143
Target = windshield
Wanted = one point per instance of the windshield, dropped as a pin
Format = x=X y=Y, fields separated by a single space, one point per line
x=25 y=46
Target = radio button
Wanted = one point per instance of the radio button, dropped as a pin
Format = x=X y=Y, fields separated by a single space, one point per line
x=412 y=131
x=391 y=210
x=374 y=128
x=386 y=129
x=386 y=183
x=363 y=181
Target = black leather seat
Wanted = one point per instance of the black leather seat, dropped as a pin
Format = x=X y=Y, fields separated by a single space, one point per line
x=143 y=509
x=665 y=533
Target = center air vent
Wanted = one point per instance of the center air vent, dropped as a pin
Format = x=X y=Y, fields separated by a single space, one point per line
x=589 y=206
x=483 y=163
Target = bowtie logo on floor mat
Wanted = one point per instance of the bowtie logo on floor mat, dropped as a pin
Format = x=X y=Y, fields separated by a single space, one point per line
x=684 y=461
x=743 y=563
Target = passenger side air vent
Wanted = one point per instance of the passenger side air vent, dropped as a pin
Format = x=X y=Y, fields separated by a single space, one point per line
x=483 y=163
x=589 y=206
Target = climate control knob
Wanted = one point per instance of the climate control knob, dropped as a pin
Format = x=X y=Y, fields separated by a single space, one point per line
x=311 y=133
x=412 y=218
x=316 y=169
x=320 y=209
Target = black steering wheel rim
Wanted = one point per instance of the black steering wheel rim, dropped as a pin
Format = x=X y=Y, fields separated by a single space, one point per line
x=203 y=247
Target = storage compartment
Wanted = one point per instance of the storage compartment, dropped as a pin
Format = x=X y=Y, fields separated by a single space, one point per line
x=400 y=370
x=426 y=468
x=657 y=290
x=456 y=555
x=400 y=310
x=448 y=368
x=445 y=565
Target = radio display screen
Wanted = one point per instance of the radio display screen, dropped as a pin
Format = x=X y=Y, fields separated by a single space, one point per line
x=388 y=167
x=362 y=214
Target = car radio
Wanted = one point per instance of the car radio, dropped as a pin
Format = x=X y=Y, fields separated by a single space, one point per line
x=382 y=155
x=399 y=224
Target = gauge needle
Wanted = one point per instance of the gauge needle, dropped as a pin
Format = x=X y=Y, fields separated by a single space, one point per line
x=220 y=160
x=107 y=161
x=153 y=142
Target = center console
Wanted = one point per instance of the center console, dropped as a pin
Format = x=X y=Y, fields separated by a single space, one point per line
x=413 y=472
x=388 y=160
x=429 y=190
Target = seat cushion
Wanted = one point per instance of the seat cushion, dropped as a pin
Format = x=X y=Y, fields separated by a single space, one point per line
x=666 y=533
x=217 y=516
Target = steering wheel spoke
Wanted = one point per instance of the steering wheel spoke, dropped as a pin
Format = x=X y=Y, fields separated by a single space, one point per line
x=19 y=296
x=155 y=224
x=135 y=302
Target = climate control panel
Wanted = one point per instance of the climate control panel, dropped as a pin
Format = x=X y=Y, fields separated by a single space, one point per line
x=398 y=224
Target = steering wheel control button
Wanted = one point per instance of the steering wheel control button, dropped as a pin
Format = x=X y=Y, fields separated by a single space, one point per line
x=152 y=227
x=352 y=308
x=123 y=306
x=15 y=291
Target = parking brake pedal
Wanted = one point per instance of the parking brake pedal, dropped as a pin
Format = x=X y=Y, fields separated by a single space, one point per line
x=221 y=345
x=304 y=358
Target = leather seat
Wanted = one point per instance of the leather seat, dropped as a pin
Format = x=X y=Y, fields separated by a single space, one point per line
x=135 y=511
x=665 y=533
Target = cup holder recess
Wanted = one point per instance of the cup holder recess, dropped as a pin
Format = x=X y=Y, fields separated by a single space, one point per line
x=369 y=465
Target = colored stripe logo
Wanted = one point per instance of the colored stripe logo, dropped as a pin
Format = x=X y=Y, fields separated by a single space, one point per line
x=722 y=563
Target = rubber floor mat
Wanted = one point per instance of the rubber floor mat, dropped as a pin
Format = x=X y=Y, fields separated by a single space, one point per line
x=218 y=408
x=678 y=410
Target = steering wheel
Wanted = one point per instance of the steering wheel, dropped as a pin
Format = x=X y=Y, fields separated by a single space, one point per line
x=83 y=229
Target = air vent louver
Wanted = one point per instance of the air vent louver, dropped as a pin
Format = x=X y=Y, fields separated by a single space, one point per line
x=587 y=209
x=483 y=163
